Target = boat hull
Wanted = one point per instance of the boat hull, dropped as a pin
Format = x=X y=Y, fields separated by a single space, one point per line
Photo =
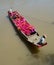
x=28 y=38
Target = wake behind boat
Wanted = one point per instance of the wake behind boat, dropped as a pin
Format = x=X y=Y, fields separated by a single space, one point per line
x=26 y=29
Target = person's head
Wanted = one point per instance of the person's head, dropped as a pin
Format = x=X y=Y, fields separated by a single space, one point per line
x=44 y=36
x=10 y=10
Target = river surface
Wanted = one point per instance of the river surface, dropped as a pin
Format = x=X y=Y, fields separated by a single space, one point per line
x=15 y=51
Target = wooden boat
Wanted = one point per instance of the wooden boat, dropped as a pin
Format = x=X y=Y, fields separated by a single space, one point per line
x=26 y=29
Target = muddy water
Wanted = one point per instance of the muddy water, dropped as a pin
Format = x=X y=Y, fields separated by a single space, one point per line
x=13 y=49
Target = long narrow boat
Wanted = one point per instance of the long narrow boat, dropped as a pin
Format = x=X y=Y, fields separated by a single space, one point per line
x=26 y=29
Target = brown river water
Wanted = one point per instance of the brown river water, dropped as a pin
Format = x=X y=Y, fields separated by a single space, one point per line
x=13 y=49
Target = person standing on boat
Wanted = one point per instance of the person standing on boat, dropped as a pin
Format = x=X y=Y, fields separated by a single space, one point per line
x=42 y=40
x=10 y=10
